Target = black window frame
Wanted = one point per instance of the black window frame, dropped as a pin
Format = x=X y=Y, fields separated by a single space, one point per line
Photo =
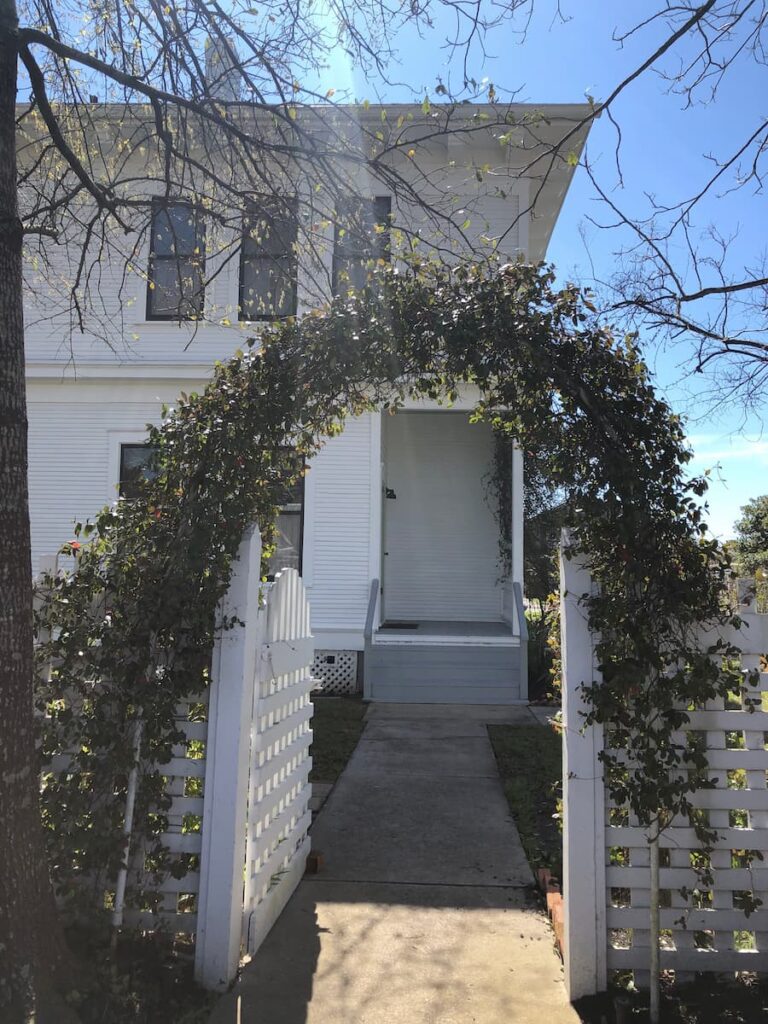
x=300 y=486
x=374 y=245
x=159 y=205
x=121 y=482
x=260 y=207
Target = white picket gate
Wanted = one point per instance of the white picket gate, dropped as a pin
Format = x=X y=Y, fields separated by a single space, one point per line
x=256 y=804
x=605 y=853
x=239 y=785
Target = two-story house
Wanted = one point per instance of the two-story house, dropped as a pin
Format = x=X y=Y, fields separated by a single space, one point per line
x=392 y=528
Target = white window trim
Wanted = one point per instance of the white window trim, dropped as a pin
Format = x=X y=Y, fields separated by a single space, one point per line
x=117 y=438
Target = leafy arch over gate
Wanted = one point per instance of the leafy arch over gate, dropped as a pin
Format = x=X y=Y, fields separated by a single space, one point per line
x=131 y=631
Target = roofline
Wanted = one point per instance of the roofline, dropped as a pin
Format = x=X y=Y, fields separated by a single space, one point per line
x=554 y=111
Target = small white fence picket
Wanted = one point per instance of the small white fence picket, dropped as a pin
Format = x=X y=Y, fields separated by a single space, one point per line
x=606 y=857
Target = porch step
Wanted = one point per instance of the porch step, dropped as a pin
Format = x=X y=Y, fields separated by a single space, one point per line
x=436 y=674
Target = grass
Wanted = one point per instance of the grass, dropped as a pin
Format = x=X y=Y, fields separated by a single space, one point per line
x=337 y=724
x=529 y=759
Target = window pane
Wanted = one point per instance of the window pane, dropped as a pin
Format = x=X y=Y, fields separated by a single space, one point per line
x=176 y=230
x=270 y=229
x=135 y=468
x=177 y=259
x=288 y=535
x=287 y=554
x=352 y=273
x=267 y=287
x=362 y=236
x=178 y=288
x=268 y=263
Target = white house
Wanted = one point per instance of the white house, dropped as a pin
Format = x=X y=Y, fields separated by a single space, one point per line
x=392 y=530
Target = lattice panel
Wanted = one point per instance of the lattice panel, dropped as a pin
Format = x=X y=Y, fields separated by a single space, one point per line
x=280 y=791
x=717 y=936
x=278 y=804
x=162 y=901
x=336 y=671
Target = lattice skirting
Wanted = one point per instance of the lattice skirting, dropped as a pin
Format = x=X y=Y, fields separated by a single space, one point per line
x=336 y=671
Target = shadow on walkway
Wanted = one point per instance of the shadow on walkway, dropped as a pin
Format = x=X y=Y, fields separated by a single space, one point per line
x=423 y=911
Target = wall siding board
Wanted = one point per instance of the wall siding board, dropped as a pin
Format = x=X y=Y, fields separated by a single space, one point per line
x=69 y=455
x=75 y=431
x=117 y=330
x=340 y=526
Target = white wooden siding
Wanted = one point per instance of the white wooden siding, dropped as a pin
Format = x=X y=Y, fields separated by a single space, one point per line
x=118 y=333
x=337 y=529
x=439 y=532
x=74 y=435
x=76 y=428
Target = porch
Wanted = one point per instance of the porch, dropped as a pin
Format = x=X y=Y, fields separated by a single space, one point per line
x=445 y=662
x=443 y=627
x=444 y=631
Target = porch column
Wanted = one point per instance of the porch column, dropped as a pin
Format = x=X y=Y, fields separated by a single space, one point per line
x=518 y=515
x=377 y=479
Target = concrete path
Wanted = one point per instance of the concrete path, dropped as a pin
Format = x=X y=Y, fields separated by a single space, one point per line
x=423 y=911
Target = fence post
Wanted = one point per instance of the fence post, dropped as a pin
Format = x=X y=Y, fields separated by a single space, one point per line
x=233 y=671
x=583 y=795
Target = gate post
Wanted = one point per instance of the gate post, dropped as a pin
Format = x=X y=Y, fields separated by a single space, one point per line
x=233 y=672
x=583 y=794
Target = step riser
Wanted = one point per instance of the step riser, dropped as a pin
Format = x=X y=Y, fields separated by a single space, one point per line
x=443 y=675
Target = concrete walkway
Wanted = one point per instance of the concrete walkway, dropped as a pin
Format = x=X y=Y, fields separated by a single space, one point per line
x=423 y=911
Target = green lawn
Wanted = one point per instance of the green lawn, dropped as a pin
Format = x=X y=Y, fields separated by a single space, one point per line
x=337 y=724
x=530 y=764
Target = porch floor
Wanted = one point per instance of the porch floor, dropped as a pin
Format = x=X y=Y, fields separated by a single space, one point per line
x=443 y=628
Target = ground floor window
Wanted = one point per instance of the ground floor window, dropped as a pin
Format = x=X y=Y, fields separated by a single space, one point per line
x=135 y=468
x=290 y=530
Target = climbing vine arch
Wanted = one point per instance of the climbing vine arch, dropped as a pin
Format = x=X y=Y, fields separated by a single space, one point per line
x=130 y=633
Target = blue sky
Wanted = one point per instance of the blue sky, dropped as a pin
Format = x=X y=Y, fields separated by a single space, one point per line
x=661 y=154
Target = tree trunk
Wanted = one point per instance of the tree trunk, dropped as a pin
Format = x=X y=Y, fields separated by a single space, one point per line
x=31 y=943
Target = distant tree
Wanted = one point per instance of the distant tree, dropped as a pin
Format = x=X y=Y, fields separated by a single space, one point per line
x=751 y=545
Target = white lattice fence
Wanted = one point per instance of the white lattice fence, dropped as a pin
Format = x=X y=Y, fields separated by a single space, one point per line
x=336 y=671
x=278 y=805
x=256 y=808
x=155 y=899
x=606 y=877
x=239 y=786
x=162 y=900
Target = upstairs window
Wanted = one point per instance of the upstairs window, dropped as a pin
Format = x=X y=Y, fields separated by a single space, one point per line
x=176 y=262
x=135 y=468
x=268 y=263
x=362 y=237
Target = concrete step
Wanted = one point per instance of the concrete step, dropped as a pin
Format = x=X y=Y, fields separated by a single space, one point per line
x=434 y=674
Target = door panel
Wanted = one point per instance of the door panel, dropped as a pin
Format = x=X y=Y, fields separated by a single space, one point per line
x=440 y=536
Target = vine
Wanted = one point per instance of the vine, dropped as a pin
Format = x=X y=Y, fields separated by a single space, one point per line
x=498 y=483
x=130 y=633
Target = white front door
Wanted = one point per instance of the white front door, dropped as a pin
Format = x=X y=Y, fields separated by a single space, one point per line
x=441 y=555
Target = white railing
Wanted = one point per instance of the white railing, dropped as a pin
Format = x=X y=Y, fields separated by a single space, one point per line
x=522 y=625
x=606 y=855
